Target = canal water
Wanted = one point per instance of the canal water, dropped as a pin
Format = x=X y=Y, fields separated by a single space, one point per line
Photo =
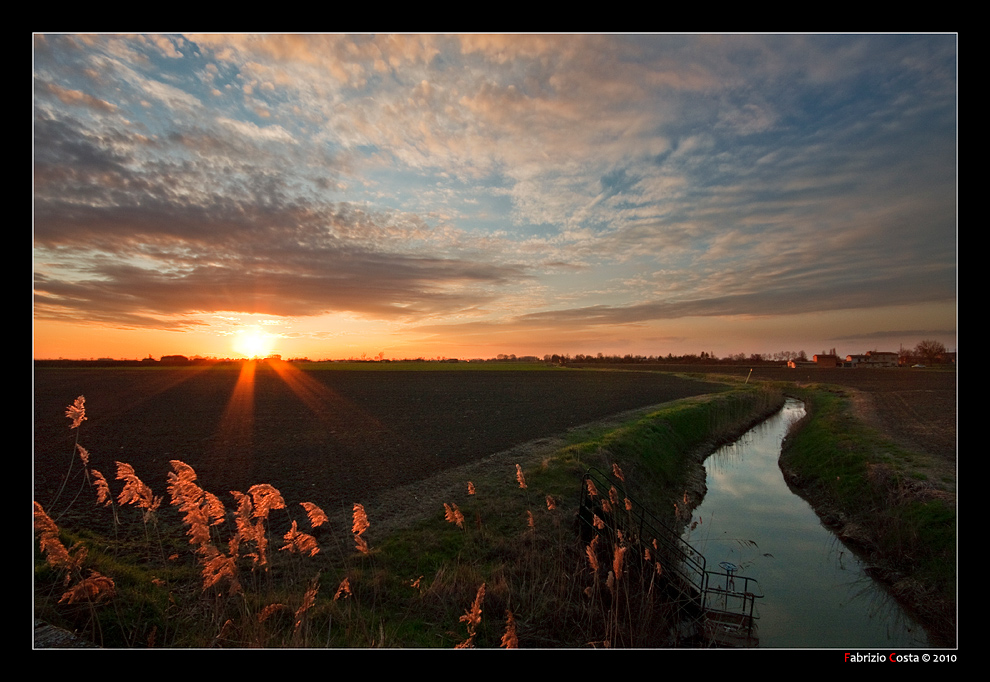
x=817 y=594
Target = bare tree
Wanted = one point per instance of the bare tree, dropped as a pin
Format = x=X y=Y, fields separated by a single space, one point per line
x=930 y=350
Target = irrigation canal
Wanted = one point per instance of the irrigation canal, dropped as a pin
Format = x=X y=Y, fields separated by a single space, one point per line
x=817 y=594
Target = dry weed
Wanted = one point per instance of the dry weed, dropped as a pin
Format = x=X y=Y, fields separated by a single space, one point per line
x=509 y=639
x=316 y=515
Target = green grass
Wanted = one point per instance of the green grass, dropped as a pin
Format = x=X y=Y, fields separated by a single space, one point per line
x=910 y=524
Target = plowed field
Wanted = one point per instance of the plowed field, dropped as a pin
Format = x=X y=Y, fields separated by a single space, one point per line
x=326 y=436
x=915 y=407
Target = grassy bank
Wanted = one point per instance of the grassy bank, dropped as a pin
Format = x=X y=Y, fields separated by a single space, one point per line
x=499 y=565
x=890 y=505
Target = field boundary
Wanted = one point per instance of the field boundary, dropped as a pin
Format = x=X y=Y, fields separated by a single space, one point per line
x=405 y=505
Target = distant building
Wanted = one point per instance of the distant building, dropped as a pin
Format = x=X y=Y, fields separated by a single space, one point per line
x=873 y=358
x=826 y=360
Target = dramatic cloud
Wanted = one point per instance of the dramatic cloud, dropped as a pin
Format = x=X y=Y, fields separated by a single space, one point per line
x=452 y=184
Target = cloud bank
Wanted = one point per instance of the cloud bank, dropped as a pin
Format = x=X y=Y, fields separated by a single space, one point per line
x=471 y=182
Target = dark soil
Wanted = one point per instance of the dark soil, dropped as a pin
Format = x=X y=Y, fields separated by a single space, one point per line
x=329 y=437
x=914 y=407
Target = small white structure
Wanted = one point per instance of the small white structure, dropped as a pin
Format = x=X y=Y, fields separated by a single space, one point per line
x=873 y=358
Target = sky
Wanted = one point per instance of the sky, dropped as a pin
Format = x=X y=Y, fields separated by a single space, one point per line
x=404 y=195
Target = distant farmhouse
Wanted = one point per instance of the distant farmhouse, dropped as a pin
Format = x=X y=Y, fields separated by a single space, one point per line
x=872 y=358
x=826 y=360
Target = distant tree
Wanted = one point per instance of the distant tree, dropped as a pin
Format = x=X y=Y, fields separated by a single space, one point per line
x=930 y=350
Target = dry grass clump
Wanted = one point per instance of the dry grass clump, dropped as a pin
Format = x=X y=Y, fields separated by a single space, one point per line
x=224 y=559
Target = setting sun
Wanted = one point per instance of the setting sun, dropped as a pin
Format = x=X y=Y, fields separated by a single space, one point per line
x=601 y=225
x=253 y=344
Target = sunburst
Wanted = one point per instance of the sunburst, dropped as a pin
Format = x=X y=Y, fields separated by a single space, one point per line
x=253 y=343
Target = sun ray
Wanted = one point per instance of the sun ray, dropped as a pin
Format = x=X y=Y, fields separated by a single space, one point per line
x=316 y=396
x=236 y=431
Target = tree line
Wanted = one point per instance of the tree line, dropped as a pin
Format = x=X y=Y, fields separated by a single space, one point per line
x=705 y=357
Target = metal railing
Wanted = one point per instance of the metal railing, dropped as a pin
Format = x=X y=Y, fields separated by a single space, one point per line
x=730 y=599
x=607 y=511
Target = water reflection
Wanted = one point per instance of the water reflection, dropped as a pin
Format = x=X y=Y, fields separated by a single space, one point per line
x=817 y=593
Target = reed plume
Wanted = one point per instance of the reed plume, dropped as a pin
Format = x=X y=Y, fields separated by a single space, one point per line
x=617 y=559
x=316 y=515
x=76 y=412
x=265 y=498
x=590 y=551
x=509 y=639
x=308 y=600
x=249 y=529
x=473 y=618
x=298 y=542
x=269 y=610
x=453 y=515
x=360 y=525
x=218 y=566
x=93 y=588
x=519 y=477
x=103 y=495
x=343 y=590
x=55 y=552
x=361 y=544
x=135 y=491
x=201 y=509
